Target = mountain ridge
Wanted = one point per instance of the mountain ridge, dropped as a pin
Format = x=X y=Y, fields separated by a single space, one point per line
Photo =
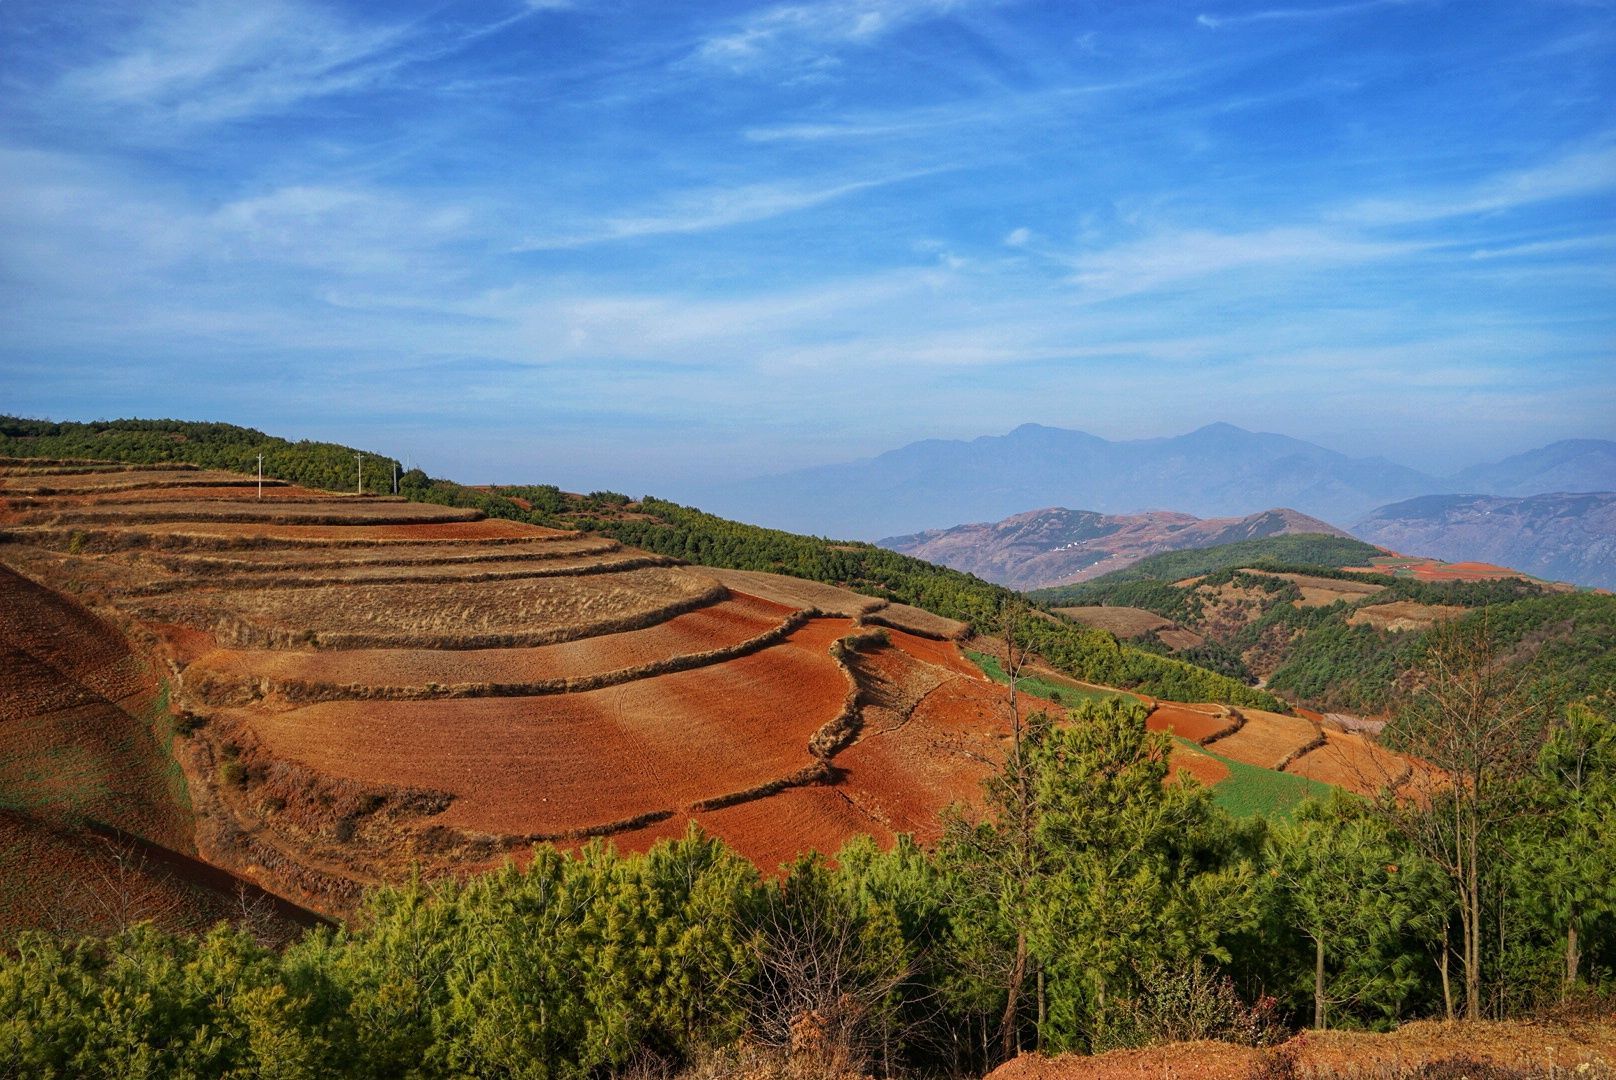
x=1055 y=545
x=1217 y=470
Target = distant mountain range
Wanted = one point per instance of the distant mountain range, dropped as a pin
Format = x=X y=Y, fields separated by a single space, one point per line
x=1057 y=546
x=1561 y=537
x=1216 y=471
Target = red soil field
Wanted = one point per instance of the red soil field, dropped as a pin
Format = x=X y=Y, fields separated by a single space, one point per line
x=1267 y=738
x=1463 y=571
x=919 y=621
x=301 y=512
x=179 y=494
x=487 y=529
x=1205 y=768
x=725 y=623
x=906 y=774
x=775 y=830
x=527 y=612
x=551 y=764
x=1351 y=762
x=944 y=654
x=271 y=560
x=798 y=592
x=1186 y=722
x=1526 y=1047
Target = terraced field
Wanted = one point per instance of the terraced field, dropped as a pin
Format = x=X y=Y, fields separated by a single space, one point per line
x=367 y=685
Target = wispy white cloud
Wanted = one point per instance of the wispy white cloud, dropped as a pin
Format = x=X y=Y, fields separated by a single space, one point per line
x=1580 y=172
x=797 y=32
x=1173 y=256
x=717 y=208
x=192 y=63
x=1326 y=11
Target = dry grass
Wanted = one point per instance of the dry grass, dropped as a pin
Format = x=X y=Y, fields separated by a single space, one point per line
x=1124 y=622
x=1270 y=740
x=1404 y=615
x=334 y=511
x=529 y=612
x=799 y=592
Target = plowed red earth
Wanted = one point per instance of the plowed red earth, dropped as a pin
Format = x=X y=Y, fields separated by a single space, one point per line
x=775 y=830
x=1186 y=723
x=725 y=624
x=1208 y=770
x=490 y=529
x=1547 y=1049
x=552 y=764
x=943 y=654
x=904 y=775
x=181 y=494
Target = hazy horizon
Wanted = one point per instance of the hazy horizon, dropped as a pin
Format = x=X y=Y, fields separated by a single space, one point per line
x=648 y=249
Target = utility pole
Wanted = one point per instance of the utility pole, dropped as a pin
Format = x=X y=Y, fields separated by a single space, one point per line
x=359 y=487
x=260 y=476
x=395 y=478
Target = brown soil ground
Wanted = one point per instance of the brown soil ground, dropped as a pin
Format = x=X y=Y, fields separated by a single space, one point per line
x=930 y=736
x=920 y=621
x=1267 y=738
x=1404 y=615
x=76 y=718
x=1463 y=571
x=69 y=880
x=524 y=612
x=1124 y=622
x=334 y=512
x=1570 y=1049
x=322 y=535
x=552 y=764
x=774 y=831
x=1186 y=722
x=726 y=623
x=798 y=592
x=1352 y=762
x=465 y=552
x=1320 y=592
x=1180 y=639
x=1205 y=768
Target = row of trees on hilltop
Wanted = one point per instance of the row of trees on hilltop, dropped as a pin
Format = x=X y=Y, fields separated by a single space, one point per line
x=1093 y=904
x=212 y=446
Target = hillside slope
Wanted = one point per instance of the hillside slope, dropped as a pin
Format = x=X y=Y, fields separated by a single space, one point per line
x=1561 y=537
x=1053 y=547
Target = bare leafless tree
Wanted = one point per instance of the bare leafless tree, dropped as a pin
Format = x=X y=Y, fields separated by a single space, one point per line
x=1478 y=722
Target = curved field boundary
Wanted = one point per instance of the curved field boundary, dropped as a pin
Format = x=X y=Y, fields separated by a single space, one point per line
x=308 y=692
x=90 y=491
x=179 y=540
x=245 y=634
x=1237 y=720
x=918 y=621
x=1307 y=748
x=835 y=734
x=18 y=466
x=276 y=514
x=820 y=772
x=539 y=550
x=426 y=577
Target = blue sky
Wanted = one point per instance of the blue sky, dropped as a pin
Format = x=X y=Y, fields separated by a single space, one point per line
x=648 y=245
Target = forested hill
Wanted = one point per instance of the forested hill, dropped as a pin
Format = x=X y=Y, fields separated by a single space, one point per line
x=1303 y=549
x=1352 y=641
x=653 y=524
